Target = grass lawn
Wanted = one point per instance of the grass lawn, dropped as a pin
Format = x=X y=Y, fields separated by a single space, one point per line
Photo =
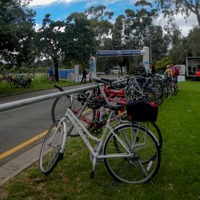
x=177 y=179
x=38 y=84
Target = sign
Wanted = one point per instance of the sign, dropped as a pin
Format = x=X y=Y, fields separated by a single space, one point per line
x=112 y=53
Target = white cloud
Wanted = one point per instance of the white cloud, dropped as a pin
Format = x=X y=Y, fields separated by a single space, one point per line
x=185 y=25
x=47 y=2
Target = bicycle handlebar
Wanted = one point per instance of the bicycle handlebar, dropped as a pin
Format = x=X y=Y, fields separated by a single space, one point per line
x=100 y=81
x=58 y=87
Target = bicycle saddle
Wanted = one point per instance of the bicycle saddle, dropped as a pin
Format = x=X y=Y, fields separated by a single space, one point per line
x=108 y=80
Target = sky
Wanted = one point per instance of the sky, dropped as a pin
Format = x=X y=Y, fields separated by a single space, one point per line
x=61 y=9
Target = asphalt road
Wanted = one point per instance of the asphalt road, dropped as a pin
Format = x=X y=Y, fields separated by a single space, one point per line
x=19 y=125
x=22 y=124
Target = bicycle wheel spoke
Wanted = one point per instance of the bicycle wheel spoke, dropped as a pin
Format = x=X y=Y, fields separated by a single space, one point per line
x=50 y=150
x=143 y=159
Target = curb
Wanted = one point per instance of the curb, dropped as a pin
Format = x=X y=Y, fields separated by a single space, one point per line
x=10 y=169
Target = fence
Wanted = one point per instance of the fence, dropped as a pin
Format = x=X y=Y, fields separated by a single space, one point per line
x=24 y=102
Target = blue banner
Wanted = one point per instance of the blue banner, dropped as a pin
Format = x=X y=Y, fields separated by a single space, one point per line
x=111 y=53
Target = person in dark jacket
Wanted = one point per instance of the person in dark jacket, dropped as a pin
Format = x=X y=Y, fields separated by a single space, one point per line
x=84 y=73
x=140 y=69
x=153 y=68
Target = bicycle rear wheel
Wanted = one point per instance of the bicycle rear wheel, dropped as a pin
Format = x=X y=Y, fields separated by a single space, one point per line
x=154 y=129
x=50 y=151
x=59 y=107
x=144 y=162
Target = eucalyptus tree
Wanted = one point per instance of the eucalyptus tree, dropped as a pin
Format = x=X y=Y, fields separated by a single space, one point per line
x=16 y=32
x=171 y=8
x=100 y=22
x=193 y=41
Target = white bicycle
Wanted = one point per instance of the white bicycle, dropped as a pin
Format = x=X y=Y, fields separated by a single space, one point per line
x=130 y=152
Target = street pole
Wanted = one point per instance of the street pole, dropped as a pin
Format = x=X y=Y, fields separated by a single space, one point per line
x=150 y=52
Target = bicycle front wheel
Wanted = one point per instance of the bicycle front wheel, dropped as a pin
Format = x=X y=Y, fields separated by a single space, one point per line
x=143 y=154
x=50 y=151
x=44 y=77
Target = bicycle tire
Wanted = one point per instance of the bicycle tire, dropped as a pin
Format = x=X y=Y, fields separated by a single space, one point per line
x=153 y=91
x=152 y=126
x=50 y=149
x=27 y=84
x=13 y=84
x=30 y=75
x=59 y=107
x=145 y=161
x=44 y=77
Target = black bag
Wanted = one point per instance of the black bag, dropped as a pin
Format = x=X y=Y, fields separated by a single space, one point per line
x=142 y=111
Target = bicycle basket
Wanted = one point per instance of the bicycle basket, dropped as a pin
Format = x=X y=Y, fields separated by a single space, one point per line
x=142 y=111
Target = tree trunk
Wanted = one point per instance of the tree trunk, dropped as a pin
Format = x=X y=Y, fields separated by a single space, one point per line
x=55 y=61
x=56 y=71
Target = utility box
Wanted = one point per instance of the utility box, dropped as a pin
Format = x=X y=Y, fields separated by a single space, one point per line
x=181 y=76
x=192 y=66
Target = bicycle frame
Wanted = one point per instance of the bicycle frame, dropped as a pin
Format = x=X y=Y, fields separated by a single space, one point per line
x=77 y=124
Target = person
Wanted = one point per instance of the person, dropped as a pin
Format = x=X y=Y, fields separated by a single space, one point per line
x=153 y=68
x=119 y=73
x=140 y=69
x=50 y=72
x=90 y=76
x=174 y=73
x=167 y=73
x=197 y=75
x=84 y=73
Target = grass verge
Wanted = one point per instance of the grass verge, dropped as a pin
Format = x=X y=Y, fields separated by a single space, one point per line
x=178 y=177
x=38 y=84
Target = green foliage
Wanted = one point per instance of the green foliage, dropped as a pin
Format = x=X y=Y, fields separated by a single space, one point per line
x=171 y=8
x=16 y=33
x=161 y=65
x=193 y=41
x=78 y=39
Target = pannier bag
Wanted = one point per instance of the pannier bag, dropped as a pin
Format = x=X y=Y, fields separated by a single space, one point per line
x=142 y=111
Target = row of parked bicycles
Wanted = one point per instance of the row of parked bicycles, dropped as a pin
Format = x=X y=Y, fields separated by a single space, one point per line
x=18 y=80
x=117 y=122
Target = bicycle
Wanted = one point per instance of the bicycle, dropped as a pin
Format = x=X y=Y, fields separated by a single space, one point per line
x=130 y=152
x=111 y=92
x=78 y=104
